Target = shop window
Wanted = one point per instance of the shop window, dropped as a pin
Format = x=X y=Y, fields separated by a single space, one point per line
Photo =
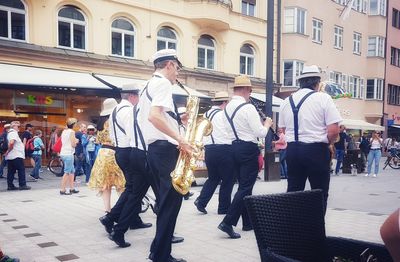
x=247 y=60
x=206 y=52
x=123 y=38
x=166 y=38
x=71 y=28
x=13 y=20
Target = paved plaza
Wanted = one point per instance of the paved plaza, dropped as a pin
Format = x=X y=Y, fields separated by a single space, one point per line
x=42 y=226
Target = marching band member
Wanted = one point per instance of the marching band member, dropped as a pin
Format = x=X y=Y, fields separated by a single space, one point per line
x=159 y=118
x=122 y=132
x=244 y=125
x=218 y=158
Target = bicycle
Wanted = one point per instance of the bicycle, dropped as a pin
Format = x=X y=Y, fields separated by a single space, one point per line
x=393 y=160
x=56 y=166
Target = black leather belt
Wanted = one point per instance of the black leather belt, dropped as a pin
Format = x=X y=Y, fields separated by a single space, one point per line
x=161 y=143
x=108 y=146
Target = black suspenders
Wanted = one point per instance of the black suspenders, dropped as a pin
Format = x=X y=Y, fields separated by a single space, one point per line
x=115 y=123
x=295 y=110
x=175 y=115
x=137 y=129
x=230 y=119
x=210 y=117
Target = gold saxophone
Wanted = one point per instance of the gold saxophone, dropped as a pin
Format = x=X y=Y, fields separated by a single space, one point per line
x=197 y=127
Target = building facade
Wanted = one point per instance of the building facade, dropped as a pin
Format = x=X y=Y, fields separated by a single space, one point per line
x=49 y=50
x=349 y=45
x=392 y=79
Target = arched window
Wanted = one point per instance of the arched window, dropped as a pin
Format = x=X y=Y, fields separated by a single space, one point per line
x=12 y=20
x=166 y=38
x=247 y=60
x=206 y=52
x=71 y=28
x=122 y=38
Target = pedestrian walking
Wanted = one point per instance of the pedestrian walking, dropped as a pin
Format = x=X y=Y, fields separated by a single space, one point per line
x=160 y=124
x=218 y=158
x=3 y=148
x=15 y=156
x=364 y=150
x=80 y=156
x=340 y=147
x=106 y=173
x=375 y=153
x=26 y=135
x=131 y=159
x=245 y=127
x=280 y=145
x=37 y=154
x=69 y=142
x=311 y=123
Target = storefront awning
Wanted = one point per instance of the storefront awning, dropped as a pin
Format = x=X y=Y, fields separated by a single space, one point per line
x=19 y=76
x=120 y=82
x=361 y=124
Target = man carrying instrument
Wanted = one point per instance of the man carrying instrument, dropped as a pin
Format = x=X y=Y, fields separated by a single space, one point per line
x=244 y=126
x=160 y=121
x=218 y=157
x=310 y=120
x=130 y=157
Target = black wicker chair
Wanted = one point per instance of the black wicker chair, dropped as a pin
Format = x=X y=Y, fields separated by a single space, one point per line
x=291 y=227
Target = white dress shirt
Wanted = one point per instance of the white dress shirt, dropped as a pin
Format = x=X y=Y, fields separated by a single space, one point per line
x=220 y=132
x=160 y=90
x=124 y=118
x=18 y=150
x=246 y=121
x=315 y=114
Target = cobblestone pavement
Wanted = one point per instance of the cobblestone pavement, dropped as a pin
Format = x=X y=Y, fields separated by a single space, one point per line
x=40 y=225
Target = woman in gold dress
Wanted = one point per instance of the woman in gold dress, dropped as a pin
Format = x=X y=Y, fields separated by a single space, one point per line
x=105 y=172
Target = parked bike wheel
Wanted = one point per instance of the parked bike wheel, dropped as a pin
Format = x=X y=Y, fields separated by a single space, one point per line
x=56 y=166
x=145 y=204
x=394 y=163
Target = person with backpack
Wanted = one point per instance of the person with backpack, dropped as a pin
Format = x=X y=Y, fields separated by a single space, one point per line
x=37 y=146
x=15 y=156
x=3 y=148
x=26 y=135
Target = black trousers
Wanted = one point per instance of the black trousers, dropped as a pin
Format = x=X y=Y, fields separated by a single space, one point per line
x=14 y=165
x=220 y=167
x=246 y=162
x=162 y=159
x=125 y=212
x=308 y=161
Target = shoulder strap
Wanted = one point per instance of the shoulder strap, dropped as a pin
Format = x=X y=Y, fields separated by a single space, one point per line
x=295 y=110
x=230 y=119
x=115 y=123
x=139 y=131
x=210 y=117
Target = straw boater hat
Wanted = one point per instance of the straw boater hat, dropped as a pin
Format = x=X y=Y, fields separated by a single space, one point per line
x=221 y=96
x=166 y=54
x=132 y=88
x=310 y=71
x=108 y=106
x=242 y=80
x=71 y=121
x=7 y=126
x=90 y=127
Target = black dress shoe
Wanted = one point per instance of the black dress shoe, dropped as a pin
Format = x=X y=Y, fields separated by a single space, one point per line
x=247 y=228
x=228 y=229
x=141 y=225
x=65 y=193
x=107 y=223
x=172 y=259
x=11 y=188
x=200 y=208
x=74 y=191
x=176 y=239
x=119 y=240
x=188 y=194
x=24 y=188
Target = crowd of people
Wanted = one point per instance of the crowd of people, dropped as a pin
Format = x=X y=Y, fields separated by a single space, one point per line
x=139 y=140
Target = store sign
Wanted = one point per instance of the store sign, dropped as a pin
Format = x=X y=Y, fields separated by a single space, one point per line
x=40 y=100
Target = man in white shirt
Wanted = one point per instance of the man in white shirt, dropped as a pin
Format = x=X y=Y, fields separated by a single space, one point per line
x=244 y=127
x=131 y=159
x=218 y=158
x=160 y=124
x=15 y=156
x=310 y=120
